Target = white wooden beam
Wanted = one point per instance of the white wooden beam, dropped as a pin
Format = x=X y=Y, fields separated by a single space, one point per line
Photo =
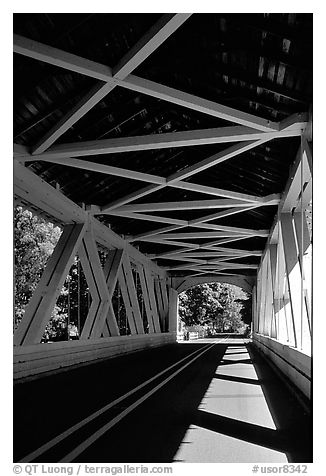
x=223 y=266
x=38 y=310
x=146 y=299
x=102 y=72
x=196 y=103
x=101 y=168
x=215 y=191
x=131 y=197
x=159 y=301
x=186 y=258
x=183 y=205
x=154 y=233
x=156 y=35
x=179 y=223
x=215 y=243
x=225 y=213
x=289 y=242
x=218 y=258
x=54 y=56
x=172 y=243
x=209 y=254
x=93 y=97
x=218 y=135
x=111 y=269
x=106 y=316
x=126 y=266
x=302 y=232
x=175 y=179
x=215 y=159
x=126 y=300
x=214 y=216
x=165 y=301
x=144 y=177
x=139 y=216
x=95 y=305
x=173 y=310
x=38 y=51
x=243 y=231
x=211 y=234
x=212 y=245
x=307 y=153
x=151 y=294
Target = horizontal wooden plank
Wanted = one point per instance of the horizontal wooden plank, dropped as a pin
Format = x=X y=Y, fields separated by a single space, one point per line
x=161 y=141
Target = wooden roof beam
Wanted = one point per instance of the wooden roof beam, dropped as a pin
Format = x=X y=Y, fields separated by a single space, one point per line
x=182 y=223
x=156 y=35
x=162 y=30
x=229 y=232
x=196 y=103
x=102 y=72
x=213 y=266
x=167 y=140
x=24 y=156
x=208 y=254
x=184 y=205
x=214 y=216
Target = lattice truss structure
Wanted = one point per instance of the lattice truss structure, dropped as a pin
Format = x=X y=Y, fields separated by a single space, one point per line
x=186 y=228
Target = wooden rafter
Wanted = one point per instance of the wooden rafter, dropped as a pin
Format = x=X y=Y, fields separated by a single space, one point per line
x=183 y=205
x=184 y=223
x=156 y=35
x=150 y=42
x=219 y=135
x=23 y=156
x=78 y=64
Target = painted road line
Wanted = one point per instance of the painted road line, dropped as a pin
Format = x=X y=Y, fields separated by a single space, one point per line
x=95 y=436
x=42 y=449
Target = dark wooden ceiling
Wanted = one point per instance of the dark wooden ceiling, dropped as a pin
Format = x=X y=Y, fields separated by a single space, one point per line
x=256 y=63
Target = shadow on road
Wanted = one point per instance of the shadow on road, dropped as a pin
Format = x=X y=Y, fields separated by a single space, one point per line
x=155 y=430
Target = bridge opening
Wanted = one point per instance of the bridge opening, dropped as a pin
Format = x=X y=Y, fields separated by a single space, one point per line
x=212 y=308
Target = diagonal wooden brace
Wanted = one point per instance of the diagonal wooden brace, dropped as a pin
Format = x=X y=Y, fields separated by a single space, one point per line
x=38 y=311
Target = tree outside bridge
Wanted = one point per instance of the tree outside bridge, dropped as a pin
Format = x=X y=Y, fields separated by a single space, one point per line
x=217 y=307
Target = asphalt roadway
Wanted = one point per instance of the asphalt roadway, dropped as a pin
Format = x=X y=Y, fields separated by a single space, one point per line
x=204 y=401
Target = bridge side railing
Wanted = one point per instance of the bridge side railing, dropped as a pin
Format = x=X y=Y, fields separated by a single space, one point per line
x=282 y=295
x=148 y=301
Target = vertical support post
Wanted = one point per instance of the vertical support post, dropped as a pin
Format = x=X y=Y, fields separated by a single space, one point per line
x=126 y=300
x=291 y=259
x=268 y=311
x=158 y=293
x=165 y=302
x=173 y=311
x=131 y=290
x=273 y=263
x=151 y=295
x=147 y=303
x=254 y=310
x=39 y=309
x=262 y=298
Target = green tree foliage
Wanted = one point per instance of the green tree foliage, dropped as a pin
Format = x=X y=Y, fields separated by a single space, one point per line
x=34 y=241
x=218 y=305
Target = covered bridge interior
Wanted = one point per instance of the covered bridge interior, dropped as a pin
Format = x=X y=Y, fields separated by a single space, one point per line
x=180 y=146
